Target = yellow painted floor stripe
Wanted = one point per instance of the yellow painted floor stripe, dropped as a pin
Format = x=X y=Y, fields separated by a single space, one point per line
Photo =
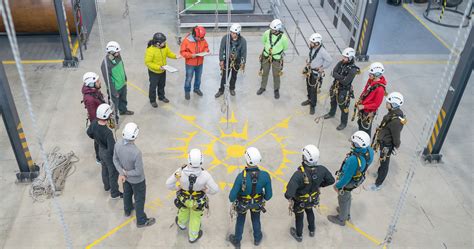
x=33 y=62
x=363 y=233
x=405 y=6
x=109 y=233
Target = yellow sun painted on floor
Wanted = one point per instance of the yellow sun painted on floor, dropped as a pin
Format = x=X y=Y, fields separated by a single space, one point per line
x=234 y=145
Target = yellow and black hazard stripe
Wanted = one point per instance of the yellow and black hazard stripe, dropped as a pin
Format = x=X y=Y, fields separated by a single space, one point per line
x=362 y=36
x=24 y=145
x=437 y=127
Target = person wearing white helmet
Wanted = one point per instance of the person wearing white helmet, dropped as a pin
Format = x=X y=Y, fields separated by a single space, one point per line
x=193 y=184
x=318 y=60
x=387 y=136
x=252 y=188
x=351 y=175
x=275 y=43
x=129 y=163
x=371 y=97
x=236 y=60
x=303 y=190
x=341 y=90
x=103 y=136
x=115 y=78
x=92 y=97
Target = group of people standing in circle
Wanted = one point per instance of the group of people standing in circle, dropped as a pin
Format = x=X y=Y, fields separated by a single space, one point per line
x=122 y=162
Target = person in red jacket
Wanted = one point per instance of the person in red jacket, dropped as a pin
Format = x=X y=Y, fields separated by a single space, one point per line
x=371 y=98
x=92 y=97
x=191 y=48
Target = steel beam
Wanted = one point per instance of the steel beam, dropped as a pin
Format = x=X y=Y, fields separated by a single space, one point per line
x=69 y=59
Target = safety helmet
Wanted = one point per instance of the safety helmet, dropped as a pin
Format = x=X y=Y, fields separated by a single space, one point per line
x=89 y=79
x=276 y=25
x=103 y=111
x=199 y=32
x=311 y=154
x=159 y=38
x=395 y=99
x=130 y=131
x=316 y=38
x=195 y=158
x=252 y=156
x=112 y=47
x=349 y=53
x=236 y=28
x=376 y=69
x=361 y=139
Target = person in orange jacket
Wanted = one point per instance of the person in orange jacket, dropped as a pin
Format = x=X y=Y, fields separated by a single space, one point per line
x=193 y=44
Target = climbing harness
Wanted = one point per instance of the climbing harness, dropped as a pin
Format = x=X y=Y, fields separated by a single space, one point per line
x=366 y=118
x=308 y=200
x=199 y=198
x=359 y=176
x=269 y=57
x=375 y=139
x=254 y=202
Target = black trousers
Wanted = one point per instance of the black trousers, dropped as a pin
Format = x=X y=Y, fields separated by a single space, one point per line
x=109 y=174
x=299 y=217
x=365 y=127
x=312 y=84
x=385 y=153
x=138 y=191
x=233 y=77
x=340 y=98
x=157 y=82
x=120 y=102
x=96 y=149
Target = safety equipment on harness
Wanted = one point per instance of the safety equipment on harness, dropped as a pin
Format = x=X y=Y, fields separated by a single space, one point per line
x=311 y=154
x=195 y=158
x=349 y=53
x=253 y=156
x=376 y=69
x=366 y=118
x=199 y=198
x=199 y=32
x=308 y=200
x=130 y=131
x=361 y=139
x=276 y=25
x=103 y=111
x=90 y=79
x=375 y=139
x=269 y=54
x=359 y=177
x=112 y=47
x=316 y=38
x=236 y=28
x=395 y=99
x=254 y=201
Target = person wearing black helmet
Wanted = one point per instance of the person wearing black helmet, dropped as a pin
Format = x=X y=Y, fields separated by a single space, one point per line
x=155 y=58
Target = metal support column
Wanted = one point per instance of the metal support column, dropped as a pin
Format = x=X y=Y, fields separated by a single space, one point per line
x=69 y=59
x=362 y=45
x=28 y=170
x=451 y=102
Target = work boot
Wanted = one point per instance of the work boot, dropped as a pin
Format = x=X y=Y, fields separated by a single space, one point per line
x=154 y=104
x=277 y=94
x=260 y=91
x=231 y=239
x=311 y=233
x=232 y=92
x=119 y=196
x=98 y=162
x=164 y=99
x=149 y=222
x=341 y=127
x=196 y=239
x=257 y=242
x=198 y=92
x=328 y=116
x=374 y=187
x=348 y=217
x=305 y=103
x=293 y=233
x=335 y=219
x=187 y=96
x=218 y=94
x=312 y=110
x=128 y=213
x=179 y=226
x=127 y=112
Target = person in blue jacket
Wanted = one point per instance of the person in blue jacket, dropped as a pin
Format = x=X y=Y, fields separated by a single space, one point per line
x=251 y=189
x=351 y=175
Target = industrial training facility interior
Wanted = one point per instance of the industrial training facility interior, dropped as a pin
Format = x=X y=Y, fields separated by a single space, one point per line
x=52 y=180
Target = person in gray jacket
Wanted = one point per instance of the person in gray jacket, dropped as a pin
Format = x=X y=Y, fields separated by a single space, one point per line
x=236 y=60
x=129 y=163
x=319 y=60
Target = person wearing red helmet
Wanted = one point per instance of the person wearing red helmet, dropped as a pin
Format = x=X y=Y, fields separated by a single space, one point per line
x=192 y=45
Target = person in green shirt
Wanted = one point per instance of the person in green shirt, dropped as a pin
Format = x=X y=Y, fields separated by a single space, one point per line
x=115 y=78
x=275 y=43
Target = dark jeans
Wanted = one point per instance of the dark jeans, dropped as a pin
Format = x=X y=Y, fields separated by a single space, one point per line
x=233 y=78
x=385 y=153
x=312 y=89
x=239 y=226
x=190 y=71
x=120 y=102
x=157 y=81
x=109 y=174
x=96 y=149
x=138 y=190
x=299 y=217
x=340 y=98
x=367 y=128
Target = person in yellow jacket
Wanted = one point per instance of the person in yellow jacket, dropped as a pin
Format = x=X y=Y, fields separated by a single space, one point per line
x=155 y=58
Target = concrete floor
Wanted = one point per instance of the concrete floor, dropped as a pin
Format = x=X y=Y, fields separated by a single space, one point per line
x=439 y=208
